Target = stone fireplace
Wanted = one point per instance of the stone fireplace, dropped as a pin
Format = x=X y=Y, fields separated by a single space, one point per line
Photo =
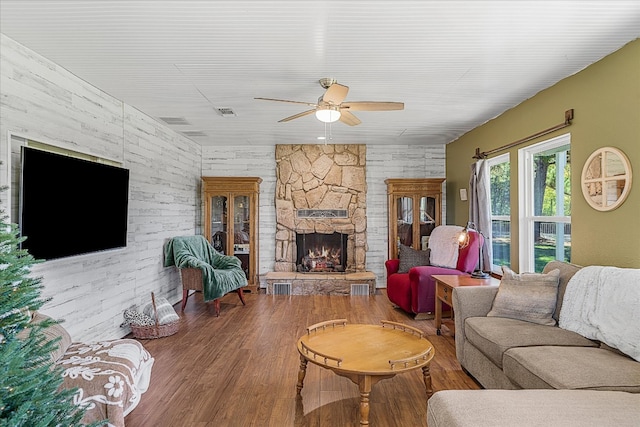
x=321 y=178
x=321 y=190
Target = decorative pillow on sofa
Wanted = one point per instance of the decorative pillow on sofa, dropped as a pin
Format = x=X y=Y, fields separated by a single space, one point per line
x=527 y=296
x=410 y=257
x=166 y=312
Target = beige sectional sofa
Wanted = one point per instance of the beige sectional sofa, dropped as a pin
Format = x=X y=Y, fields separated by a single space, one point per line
x=578 y=381
x=507 y=353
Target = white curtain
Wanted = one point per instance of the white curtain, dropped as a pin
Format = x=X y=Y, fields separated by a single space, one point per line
x=480 y=207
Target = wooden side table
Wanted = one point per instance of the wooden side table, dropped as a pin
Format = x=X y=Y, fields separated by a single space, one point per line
x=444 y=293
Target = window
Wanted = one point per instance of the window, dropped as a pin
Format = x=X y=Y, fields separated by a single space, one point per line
x=545 y=203
x=500 y=181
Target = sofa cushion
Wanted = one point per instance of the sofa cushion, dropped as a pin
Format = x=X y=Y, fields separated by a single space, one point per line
x=527 y=296
x=410 y=258
x=571 y=368
x=567 y=270
x=495 y=335
x=532 y=408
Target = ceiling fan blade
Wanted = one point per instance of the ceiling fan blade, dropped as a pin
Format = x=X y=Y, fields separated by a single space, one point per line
x=296 y=116
x=335 y=94
x=372 y=106
x=348 y=118
x=311 y=104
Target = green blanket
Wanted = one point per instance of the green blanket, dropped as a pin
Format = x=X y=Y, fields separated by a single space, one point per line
x=221 y=274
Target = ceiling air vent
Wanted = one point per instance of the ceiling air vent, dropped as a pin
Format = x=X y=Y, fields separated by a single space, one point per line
x=225 y=111
x=175 y=120
x=193 y=133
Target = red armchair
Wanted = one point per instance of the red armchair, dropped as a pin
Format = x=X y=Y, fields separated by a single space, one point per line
x=415 y=291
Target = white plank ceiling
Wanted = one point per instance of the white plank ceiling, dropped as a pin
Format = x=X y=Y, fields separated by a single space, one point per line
x=455 y=64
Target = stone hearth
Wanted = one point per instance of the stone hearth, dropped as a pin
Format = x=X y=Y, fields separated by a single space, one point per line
x=321 y=283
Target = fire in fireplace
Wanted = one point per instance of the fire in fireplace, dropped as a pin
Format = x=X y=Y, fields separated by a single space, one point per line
x=321 y=253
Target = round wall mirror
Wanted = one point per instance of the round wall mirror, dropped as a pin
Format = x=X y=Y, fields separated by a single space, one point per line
x=606 y=179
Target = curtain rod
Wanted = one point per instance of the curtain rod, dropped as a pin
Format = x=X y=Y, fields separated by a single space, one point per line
x=568 y=116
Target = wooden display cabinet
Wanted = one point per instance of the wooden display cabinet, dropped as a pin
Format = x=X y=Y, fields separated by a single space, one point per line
x=413 y=201
x=231 y=219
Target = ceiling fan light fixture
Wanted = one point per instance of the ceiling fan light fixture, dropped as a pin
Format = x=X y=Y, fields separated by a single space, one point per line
x=329 y=107
x=328 y=114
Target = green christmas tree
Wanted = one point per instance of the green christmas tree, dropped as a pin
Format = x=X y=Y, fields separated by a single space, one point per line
x=29 y=380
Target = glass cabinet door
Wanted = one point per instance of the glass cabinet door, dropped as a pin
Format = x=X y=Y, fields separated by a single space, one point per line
x=428 y=219
x=404 y=214
x=242 y=230
x=219 y=225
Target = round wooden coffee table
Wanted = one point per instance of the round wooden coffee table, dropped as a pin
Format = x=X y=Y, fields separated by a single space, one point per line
x=365 y=354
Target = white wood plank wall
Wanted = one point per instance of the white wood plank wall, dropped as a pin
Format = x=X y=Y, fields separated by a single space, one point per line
x=46 y=103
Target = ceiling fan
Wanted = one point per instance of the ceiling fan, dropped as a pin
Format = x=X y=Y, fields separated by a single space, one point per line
x=330 y=106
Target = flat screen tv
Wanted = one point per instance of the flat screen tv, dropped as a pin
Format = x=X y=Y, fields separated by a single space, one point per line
x=70 y=206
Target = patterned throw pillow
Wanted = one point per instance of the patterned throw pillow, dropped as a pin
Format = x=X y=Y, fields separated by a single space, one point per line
x=527 y=296
x=132 y=317
x=410 y=257
x=166 y=312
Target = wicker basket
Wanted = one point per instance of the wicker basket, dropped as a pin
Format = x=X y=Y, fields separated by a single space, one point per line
x=157 y=330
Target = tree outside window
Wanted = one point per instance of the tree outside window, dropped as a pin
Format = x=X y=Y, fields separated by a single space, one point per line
x=500 y=182
x=544 y=183
x=552 y=198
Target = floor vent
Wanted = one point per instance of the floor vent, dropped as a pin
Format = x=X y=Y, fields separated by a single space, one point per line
x=358 y=289
x=282 y=289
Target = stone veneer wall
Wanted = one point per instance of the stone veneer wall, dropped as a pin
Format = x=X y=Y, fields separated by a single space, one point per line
x=321 y=177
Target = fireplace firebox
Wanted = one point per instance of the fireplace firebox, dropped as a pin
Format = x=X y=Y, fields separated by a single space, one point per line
x=321 y=253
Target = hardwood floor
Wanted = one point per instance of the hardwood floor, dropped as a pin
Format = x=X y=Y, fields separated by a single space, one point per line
x=240 y=369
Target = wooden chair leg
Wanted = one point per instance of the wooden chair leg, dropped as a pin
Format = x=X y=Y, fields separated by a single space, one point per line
x=216 y=306
x=185 y=296
x=241 y=295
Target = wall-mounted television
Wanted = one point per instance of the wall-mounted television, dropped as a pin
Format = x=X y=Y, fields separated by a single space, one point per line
x=70 y=206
